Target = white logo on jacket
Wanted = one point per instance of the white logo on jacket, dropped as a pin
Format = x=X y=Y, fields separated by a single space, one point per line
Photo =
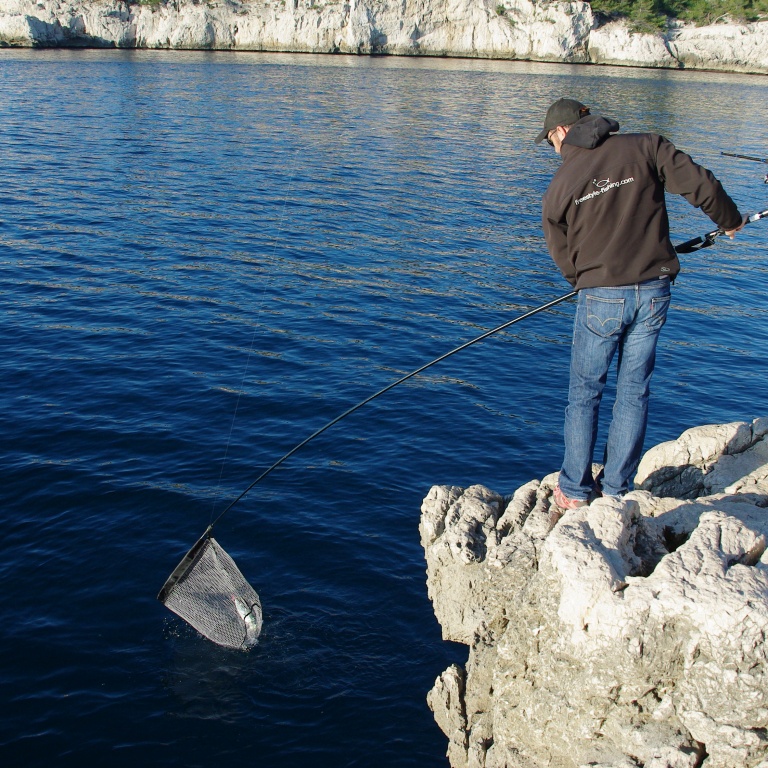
x=603 y=186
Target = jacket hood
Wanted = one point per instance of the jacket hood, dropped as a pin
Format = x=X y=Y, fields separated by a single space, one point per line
x=590 y=131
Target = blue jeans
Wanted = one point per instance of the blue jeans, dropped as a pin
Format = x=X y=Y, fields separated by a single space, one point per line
x=627 y=318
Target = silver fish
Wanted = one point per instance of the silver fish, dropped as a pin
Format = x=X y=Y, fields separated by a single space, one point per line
x=251 y=616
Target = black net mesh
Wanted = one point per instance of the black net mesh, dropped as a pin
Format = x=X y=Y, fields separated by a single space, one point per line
x=208 y=591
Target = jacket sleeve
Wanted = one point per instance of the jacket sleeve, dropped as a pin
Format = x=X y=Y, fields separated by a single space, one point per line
x=682 y=176
x=556 y=236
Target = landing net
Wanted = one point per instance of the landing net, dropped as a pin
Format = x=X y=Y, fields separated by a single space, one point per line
x=208 y=591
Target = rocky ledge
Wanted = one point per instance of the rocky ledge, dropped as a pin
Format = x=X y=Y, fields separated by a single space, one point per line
x=626 y=634
x=531 y=30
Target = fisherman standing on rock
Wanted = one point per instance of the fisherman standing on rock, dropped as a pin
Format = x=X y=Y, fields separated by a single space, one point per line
x=606 y=226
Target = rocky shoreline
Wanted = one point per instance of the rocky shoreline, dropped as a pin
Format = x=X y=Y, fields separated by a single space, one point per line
x=496 y=29
x=630 y=633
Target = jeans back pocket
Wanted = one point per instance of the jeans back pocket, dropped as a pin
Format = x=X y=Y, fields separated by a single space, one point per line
x=604 y=316
x=658 y=317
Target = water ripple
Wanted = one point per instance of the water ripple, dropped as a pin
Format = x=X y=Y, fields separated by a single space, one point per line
x=205 y=258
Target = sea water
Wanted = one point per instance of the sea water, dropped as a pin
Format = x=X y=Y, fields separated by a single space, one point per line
x=208 y=256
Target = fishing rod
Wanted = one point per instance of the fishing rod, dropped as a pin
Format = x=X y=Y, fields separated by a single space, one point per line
x=746 y=157
x=749 y=157
x=697 y=243
x=687 y=247
x=207 y=562
x=410 y=375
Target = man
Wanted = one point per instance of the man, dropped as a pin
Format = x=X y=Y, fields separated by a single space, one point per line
x=606 y=226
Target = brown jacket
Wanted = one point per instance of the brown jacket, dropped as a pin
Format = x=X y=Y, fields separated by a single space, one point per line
x=604 y=214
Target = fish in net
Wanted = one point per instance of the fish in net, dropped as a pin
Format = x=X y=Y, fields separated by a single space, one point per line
x=208 y=591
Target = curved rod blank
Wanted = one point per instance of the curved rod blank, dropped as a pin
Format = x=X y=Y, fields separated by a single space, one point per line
x=691 y=245
x=346 y=413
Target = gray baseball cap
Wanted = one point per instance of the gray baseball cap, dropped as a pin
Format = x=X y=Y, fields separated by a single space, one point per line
x=562 y=112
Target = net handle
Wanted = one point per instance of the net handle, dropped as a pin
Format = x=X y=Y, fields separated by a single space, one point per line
x=185 y=566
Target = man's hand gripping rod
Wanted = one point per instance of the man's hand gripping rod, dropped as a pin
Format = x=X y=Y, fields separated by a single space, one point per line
x=706 y=240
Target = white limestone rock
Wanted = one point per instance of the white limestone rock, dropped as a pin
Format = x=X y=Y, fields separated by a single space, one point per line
x=627 y=633
x=706 y=460
x=731 y=47
x=507 y=29
x=15 y=30
x=616 y=44
x=446 y=699
x=723 y=46
x=481 y=28
x=105 y=23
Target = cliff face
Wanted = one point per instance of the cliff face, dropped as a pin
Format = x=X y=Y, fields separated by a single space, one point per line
x=628 y=633
x=507 y=29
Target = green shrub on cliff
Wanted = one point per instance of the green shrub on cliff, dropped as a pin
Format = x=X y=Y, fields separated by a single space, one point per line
x=709 y=11
x=652 y=15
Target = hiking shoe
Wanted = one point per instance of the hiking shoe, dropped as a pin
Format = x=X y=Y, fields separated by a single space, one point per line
x=564 y=502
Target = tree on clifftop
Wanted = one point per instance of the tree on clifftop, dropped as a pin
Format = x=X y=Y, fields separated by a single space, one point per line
x=651 y=15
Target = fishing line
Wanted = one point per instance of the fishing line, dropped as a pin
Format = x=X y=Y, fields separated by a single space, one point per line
x=291 y=181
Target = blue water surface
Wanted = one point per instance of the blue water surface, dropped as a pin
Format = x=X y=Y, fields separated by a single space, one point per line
x=208 y=256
